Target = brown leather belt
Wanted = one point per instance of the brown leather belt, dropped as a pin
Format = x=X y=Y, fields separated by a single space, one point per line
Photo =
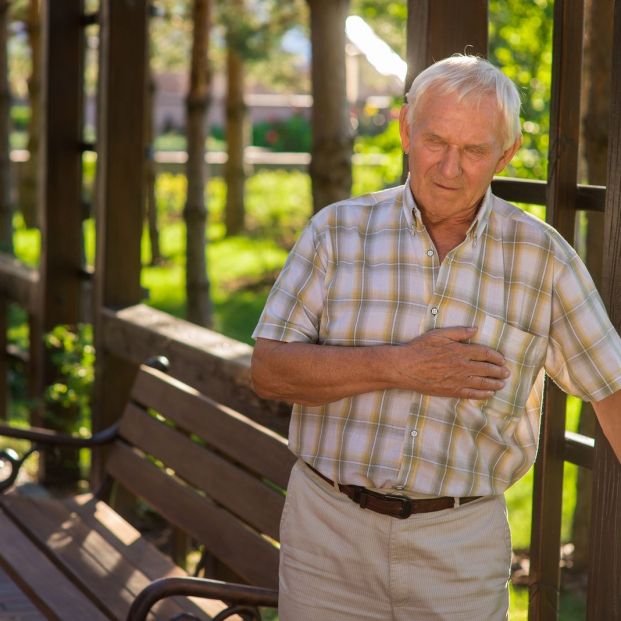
x=396 y=506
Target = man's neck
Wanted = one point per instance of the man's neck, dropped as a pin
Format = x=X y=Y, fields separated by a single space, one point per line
x=448 y=233
x=446 y=237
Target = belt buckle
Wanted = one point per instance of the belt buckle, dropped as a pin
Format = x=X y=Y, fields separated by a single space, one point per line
x=406 y=505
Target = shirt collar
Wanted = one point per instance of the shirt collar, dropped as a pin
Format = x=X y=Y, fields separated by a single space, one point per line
x=414 y=216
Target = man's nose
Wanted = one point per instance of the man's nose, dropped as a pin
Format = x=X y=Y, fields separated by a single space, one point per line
x=450 y=164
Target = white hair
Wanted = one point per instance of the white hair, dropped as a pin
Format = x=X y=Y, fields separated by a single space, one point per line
x=470 y=76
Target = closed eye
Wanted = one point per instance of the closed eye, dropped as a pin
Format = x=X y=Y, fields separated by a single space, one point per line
x=477 y=151
x=434 y=142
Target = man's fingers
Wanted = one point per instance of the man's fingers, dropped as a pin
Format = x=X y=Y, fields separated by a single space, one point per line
x=477 y=352
x=491 y=370
x=489 y=383
x=475 y=395
x=457 y=333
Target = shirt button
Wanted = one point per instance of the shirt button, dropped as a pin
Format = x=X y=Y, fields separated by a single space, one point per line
x=430 y=253
x=413 y=433
x=434 y=311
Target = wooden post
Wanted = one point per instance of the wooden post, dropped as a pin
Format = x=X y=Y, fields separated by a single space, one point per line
x=61 y=231
x=120 y=189
x=562 y=194
x=439 y=28
x=4 y=362
x=61 y=208
x=604 y=596
x=330 y=167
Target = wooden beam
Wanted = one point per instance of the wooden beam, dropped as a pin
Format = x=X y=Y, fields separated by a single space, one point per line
x=19 y=283
x=544 y=579
x=588 y=197
x=206 y=360
x=604 y=596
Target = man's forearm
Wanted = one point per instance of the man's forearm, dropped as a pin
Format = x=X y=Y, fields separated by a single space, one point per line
x=435 y=363
x=608 y=413
x=312 y=375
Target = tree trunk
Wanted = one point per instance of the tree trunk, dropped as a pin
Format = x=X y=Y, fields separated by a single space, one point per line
x=596 y=97
x=236 y=137
x=29 y=181
x=6 y=211
x=149 y=176
x=195 y=212
x=331 y=150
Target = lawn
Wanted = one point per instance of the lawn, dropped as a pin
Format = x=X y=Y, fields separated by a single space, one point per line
x=241 y=270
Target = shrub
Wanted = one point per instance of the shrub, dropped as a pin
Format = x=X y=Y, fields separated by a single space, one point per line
x=292 y=134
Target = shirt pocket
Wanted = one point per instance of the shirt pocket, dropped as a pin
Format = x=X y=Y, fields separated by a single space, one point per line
x=524 y=354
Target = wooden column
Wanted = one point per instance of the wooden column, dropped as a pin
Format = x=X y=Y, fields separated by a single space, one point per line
x=61 y=181
x=604 y=597
x=544 y=579
x=120 y=188
x=332 y=141
x=61 y=231
x=439 y=28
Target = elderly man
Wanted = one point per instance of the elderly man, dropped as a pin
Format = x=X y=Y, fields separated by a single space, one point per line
x=411 y=328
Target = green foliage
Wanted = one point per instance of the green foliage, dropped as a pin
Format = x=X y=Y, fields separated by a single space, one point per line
x=292 y=134
x=255 y=27
x=386 y=171
x=278 y=204
x=170 y=35
x=176 y=141
x=241 y=269
x=20 y=117
x=520 y=43
x=73 y=355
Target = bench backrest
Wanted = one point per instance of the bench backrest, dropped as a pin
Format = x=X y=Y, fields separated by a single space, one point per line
x=208 y=470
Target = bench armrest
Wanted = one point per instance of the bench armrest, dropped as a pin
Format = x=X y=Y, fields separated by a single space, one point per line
x=42 y=438
x=243 y=599
x=48 y=437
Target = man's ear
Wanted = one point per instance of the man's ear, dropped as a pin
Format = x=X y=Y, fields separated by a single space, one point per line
x=404 y=129
x=508 y=154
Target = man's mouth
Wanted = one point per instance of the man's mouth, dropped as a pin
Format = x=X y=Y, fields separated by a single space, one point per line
x=445 y=187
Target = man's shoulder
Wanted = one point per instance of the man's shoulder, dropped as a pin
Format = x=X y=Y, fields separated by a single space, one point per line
x=358 y=208
x=513 y=223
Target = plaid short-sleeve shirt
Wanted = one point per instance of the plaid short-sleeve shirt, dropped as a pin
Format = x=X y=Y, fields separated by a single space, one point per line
x=366 y=272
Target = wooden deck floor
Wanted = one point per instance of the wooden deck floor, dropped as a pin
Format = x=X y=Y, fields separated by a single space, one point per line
x=14 y=605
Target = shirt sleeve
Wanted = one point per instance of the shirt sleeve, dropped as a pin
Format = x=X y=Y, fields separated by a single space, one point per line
x=295 y=304
x=584 y=350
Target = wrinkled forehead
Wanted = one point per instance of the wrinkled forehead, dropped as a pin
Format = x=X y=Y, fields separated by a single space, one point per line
x=474 y=105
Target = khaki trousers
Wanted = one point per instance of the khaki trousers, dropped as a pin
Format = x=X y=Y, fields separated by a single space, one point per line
x=339 y=562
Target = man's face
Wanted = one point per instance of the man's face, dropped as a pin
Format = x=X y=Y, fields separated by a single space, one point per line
x=454 y=149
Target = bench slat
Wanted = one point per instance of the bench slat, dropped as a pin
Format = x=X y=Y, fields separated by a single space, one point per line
x=44 y=584
x=98 y=516
x=87 y=557
x=243 y=550
x=245 y=495
x=258 y=447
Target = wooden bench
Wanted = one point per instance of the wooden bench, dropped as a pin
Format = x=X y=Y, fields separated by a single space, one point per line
x=209 y=471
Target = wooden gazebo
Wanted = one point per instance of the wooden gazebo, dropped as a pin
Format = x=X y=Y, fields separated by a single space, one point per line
x=128 y=332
